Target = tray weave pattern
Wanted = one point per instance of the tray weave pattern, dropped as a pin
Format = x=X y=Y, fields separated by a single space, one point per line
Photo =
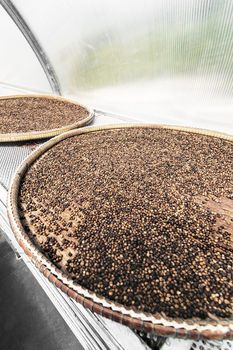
x=158 y=324
x=33 y=135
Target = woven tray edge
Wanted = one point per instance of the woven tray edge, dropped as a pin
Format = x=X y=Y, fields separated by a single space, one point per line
x=35 y=135
x=137 y=320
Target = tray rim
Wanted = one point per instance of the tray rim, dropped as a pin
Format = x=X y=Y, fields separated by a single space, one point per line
x=34 y=135
x=158 y=324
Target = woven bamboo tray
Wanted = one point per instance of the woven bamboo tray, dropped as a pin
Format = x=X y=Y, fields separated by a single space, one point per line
x=33 y=135
x=156 y=324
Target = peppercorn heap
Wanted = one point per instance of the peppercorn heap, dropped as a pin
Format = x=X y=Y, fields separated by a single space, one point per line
x=20 y=115
x=141 y=216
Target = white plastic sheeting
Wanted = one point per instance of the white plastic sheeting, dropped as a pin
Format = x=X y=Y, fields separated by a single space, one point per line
x=18 y=63
x=165 y=61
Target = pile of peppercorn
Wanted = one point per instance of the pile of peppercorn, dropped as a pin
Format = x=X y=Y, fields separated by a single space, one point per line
x=24 y=114
x=141 y=216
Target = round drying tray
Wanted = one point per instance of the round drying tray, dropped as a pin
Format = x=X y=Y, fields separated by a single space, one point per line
x=158 y=324
x=32 y=107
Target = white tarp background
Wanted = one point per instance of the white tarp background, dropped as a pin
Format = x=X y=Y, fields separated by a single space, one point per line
x=18 y=63
x=165 y=61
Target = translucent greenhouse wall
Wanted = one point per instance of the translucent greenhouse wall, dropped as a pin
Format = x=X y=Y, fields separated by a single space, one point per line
x=18 y=63
x=164 y=61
